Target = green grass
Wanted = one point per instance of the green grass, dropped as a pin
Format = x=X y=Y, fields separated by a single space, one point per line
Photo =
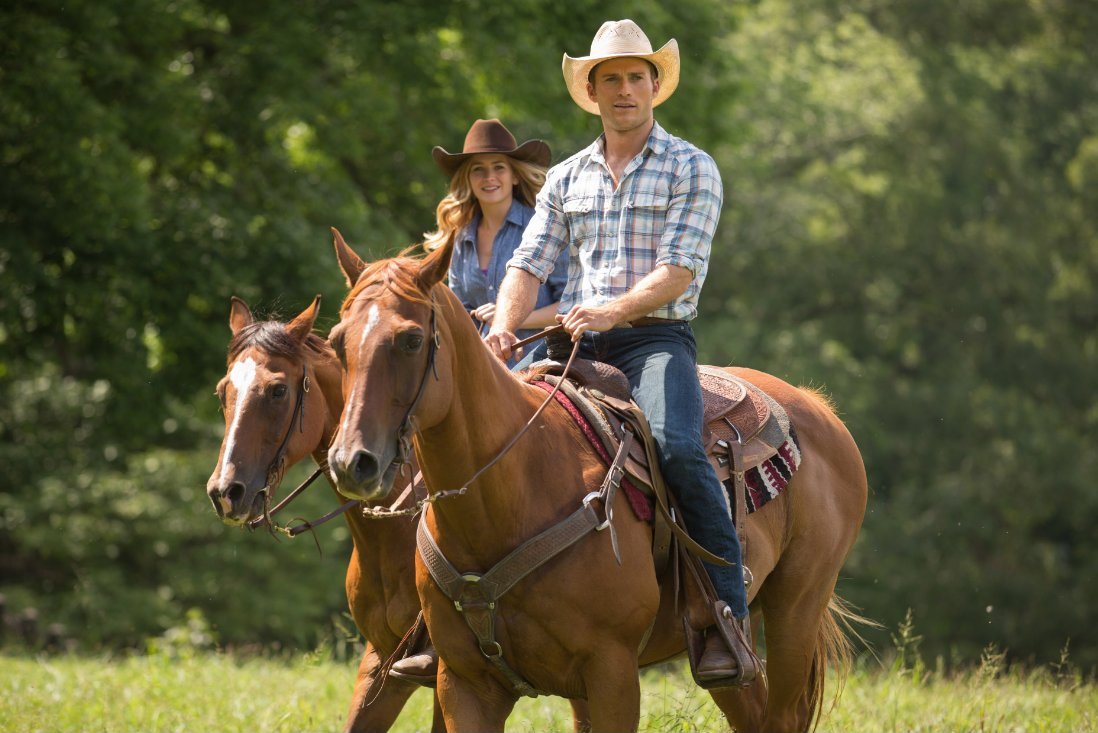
x=215 y=692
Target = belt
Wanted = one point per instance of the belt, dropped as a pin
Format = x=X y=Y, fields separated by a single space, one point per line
x=650 y=321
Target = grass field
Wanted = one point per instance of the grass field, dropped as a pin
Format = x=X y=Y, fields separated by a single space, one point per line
x=216 y=692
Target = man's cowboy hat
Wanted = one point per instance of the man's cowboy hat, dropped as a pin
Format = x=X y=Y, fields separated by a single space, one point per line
x=616 y=39
x=490 y=136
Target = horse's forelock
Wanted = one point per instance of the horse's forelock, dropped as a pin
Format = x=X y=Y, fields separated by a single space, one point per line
x=272 y=338
x=397 y=274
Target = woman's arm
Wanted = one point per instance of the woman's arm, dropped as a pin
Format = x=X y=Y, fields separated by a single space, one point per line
x=542 y=317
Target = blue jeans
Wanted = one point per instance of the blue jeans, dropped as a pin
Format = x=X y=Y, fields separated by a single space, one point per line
x=660 y=362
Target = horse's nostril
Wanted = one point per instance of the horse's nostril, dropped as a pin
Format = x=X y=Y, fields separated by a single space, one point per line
x=219 y=503
x=364 y=466
x=235 y=493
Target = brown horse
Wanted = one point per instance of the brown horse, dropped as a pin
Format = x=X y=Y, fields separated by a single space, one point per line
x=268 y=365
x=573 y=626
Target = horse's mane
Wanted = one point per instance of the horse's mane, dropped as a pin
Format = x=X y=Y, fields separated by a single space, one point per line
x=271 y=338
x=399 y=274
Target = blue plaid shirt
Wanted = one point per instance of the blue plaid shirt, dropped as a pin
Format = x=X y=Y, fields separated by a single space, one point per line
x=664 y=211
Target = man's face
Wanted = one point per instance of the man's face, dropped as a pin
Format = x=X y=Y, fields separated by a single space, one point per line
x=624 y=89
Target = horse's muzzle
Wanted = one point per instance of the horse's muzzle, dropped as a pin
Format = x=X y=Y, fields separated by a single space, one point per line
x=357 y=474
x=233 y=504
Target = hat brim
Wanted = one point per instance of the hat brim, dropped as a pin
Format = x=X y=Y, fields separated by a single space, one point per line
x=531 y=151
x=577 y=69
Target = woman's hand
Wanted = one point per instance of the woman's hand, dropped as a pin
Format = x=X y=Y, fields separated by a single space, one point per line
x=485 y=313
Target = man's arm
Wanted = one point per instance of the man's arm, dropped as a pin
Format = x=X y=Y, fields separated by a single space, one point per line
x=517 y=295
x=657 y=288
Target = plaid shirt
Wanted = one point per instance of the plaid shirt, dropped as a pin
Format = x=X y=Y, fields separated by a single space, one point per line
x=664 y=211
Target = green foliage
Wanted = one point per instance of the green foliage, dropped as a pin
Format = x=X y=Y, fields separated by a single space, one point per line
x=911 y=219
x=908 y=228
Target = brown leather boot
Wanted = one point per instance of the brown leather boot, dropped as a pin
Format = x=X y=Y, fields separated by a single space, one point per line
x=728 y=656
x=716 y=661
x=420 y=669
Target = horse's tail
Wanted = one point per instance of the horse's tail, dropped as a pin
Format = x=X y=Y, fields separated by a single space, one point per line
x=834 y=649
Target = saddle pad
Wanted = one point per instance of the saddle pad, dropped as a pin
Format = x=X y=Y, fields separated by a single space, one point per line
x=641 y=505
x=765 y=481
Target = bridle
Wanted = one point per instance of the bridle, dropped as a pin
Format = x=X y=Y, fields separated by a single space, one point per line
x=277 y=465
x=402 y=459
x=407 y=425
x=404 y=433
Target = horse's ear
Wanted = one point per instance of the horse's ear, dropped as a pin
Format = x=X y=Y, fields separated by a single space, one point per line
x=351 y=264
x=435 y=266
x=300 y=327
x=240 y=315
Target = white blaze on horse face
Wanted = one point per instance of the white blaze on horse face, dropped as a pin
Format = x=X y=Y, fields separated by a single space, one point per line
x=242 y=376
x=372 y=317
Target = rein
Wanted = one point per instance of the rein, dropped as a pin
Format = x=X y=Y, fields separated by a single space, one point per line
x=404 y=428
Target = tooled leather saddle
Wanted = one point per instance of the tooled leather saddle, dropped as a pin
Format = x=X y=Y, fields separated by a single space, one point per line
x=743 y=427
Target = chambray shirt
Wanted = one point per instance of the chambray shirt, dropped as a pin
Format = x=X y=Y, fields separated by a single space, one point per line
x=664 y=211
x=475 y=288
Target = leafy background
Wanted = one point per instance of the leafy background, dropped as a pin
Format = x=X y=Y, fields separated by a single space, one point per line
x=911 y=221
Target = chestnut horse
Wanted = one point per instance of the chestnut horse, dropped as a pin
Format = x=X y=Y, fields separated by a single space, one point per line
x=572 y=627
x=267 y=367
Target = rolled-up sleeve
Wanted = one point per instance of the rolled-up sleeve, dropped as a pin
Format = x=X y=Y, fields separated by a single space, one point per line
x=695 y=208
x=546 y=236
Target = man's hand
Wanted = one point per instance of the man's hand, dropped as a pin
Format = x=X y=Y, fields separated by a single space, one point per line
x=500 y=343
x=587 y=318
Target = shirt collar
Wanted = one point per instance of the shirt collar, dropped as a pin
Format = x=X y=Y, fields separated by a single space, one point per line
x=658 y=140
x=517 y=215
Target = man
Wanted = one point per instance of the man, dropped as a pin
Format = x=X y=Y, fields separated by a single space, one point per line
x=636 y=211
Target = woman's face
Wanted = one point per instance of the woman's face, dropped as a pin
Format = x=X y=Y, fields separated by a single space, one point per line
x=491 y=179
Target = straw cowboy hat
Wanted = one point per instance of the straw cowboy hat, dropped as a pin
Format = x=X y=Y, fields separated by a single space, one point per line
x=616 y=39
x=490 y=136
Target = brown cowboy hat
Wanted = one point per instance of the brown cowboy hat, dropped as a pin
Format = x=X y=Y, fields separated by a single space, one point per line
x=490 y=136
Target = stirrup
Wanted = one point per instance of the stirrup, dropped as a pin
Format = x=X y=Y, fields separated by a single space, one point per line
x=736 y=639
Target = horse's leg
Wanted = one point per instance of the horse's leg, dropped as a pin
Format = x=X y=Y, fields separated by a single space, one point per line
x=481 y=708
x=613 y=691
x=745 y=708
x=377 y=701
x=438 y=720
x=793 y=615
x=581 y=716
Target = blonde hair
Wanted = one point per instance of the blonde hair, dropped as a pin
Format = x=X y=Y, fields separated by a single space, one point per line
x=459 y=206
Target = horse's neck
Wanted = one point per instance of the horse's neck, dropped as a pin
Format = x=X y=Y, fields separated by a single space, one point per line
x=488 y=408
x=328 y=378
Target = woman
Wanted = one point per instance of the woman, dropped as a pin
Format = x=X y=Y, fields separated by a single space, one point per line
x=493 y=184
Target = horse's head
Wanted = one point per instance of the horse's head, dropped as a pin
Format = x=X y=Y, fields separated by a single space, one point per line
x=394 y=374
x=272 y=417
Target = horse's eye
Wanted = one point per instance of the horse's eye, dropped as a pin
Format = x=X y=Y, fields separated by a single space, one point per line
x=410 y=343
x=279 y=391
